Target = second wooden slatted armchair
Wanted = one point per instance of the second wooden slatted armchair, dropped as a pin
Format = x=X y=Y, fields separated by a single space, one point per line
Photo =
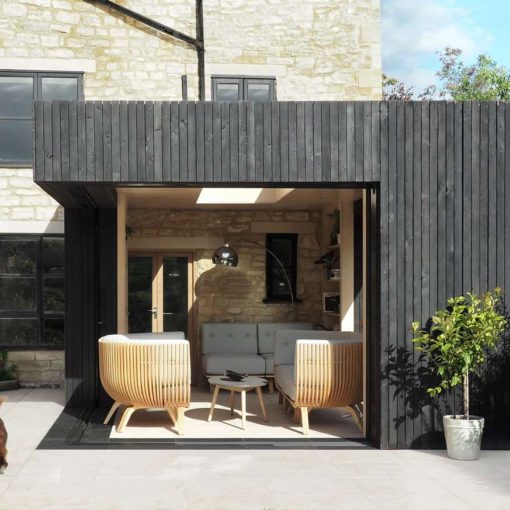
x=319 y=369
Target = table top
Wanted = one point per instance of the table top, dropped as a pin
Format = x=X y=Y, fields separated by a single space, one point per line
x=247 y=382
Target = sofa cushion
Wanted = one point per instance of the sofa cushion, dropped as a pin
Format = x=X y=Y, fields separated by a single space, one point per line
x=285 y=342
x=269 y=359
x=216 y=364
x=266 y=331
x=284 y=379
x=229 y=338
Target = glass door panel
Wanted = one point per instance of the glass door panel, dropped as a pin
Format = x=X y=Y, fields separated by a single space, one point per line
x=175 y=294
x=140 y=316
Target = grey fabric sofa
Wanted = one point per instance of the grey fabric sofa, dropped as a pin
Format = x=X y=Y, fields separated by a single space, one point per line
x=243 y=347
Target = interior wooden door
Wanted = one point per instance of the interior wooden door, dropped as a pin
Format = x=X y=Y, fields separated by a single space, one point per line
x=160 y=292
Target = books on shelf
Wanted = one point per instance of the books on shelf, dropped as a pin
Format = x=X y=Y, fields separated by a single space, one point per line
x=334 y=273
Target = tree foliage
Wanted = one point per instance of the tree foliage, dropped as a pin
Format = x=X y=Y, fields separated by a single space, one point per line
x=484 y=80
x=394 y=89
x=457 y=341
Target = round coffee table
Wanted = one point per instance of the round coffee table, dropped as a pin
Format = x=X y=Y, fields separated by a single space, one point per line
x=222 y=382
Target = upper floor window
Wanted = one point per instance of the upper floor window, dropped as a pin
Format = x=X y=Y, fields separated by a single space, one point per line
x=232 y=88
x=18 y=91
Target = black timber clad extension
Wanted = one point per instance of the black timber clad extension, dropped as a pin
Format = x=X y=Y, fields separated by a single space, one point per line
x=439 y=173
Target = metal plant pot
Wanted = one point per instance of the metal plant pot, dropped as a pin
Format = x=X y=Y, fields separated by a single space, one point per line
x=463 y=437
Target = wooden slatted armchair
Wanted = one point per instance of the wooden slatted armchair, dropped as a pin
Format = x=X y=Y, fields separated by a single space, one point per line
x=142 y=371
x=319 y=372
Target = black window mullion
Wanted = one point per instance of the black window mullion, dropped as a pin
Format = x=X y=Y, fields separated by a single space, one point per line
x=40 y=287
x=38 y=93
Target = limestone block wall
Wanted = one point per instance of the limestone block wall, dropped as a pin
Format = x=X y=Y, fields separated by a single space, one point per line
x=26 y=208
x=39 y=369
x=236 y=294
x=320 y=49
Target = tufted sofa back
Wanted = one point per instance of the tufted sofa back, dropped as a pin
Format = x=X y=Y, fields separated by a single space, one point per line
x=266 y=333
x=285 y=342
x=229 y=338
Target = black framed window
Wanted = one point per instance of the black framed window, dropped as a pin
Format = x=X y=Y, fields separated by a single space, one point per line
x=284 y=246
x=32 y=291
x=18 y=91
x=232 y=88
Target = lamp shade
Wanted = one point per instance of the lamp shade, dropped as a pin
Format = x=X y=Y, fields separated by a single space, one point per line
x=225 y=256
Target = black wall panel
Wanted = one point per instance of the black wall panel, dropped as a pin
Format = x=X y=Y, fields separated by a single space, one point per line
x=439 y=170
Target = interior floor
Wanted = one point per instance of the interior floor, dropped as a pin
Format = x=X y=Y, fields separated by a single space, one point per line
x=156 y=424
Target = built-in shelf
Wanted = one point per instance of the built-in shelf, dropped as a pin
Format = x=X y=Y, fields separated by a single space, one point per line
x=332 y=313
x=334 y=279
x=333 y=247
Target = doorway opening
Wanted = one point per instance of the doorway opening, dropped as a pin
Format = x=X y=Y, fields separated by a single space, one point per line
x=171 y=284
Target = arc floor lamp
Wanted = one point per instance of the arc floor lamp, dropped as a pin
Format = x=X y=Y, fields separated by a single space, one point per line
x=226 y=256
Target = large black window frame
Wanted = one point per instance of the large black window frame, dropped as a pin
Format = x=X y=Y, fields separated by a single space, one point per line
x=38 y=93
x=243 y=88
x=284 y=246
x=32 y=291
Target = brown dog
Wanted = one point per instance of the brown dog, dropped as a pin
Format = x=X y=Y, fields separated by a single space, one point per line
x=3 y=443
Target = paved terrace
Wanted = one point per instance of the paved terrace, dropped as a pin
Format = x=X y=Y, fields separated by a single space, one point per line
x=233 y=479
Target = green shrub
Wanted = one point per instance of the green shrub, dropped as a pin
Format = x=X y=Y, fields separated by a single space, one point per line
x=7 y=372
x=457 y=341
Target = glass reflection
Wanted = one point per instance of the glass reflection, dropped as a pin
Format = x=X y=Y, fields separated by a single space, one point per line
x=258 y=92
x=16 y=96
x=59 y=88
x=15 y=140
x=18 y=332
x=227 y=92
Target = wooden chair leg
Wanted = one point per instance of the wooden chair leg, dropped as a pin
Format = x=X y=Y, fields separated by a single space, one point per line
x=280 y=398
x=357 y=415
x=304 y=420
x=232 y=402
x=171 y=413
x=125 y=418
x=297 y=415
x=111 y=412
x=271 y=385
x=180 y=421
x=261 y=402
x=243 y=408
x=213 y=403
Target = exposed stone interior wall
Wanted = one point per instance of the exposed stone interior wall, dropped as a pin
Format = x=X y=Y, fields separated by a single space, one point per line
x=39 y=369
x=235 y=294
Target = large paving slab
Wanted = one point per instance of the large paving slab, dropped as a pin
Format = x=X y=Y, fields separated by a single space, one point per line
x=233 y=479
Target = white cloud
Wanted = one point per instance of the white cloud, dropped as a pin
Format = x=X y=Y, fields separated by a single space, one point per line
x=413 y=30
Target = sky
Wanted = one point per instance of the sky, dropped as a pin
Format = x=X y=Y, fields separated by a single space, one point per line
x=413 y=30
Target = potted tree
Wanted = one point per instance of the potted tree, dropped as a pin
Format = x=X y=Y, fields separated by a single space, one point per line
x=456 y=343
x=8 y=379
